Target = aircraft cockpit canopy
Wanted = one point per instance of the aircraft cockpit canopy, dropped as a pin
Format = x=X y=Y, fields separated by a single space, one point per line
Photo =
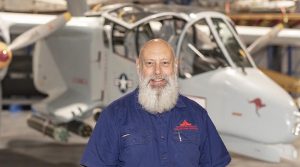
x=209 y=43
x=233 y=47
x=129 y=14
x=199 y=51
x=131 y=27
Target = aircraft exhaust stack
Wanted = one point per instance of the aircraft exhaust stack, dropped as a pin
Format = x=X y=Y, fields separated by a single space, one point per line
x=80 y=128
x=48 y=128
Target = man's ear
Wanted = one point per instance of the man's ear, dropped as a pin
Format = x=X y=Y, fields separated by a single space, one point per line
x=176 y=66
x=137 y=63
x=176 y=63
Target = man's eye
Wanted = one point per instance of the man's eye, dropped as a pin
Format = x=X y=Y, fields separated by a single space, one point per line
x=149 y=63
x=166 y=63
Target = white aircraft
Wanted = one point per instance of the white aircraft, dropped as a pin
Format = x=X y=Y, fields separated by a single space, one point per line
x=235 y=86
x=91 y=61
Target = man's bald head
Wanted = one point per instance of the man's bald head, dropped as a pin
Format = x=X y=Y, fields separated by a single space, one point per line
x=156 y=45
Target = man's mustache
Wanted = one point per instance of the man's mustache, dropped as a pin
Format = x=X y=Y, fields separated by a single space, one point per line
x=157 y=77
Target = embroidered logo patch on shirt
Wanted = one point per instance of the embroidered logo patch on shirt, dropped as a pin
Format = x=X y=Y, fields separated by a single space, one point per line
x=185 y=125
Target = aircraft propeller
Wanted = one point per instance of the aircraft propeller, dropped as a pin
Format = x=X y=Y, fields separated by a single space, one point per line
x=4 y=30
x=31 y=36
x=263 y=40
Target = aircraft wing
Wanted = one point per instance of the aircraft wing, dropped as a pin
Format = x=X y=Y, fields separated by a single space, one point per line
x=286 y=36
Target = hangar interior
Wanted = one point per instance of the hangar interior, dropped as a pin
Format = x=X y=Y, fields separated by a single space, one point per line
x=58 y=74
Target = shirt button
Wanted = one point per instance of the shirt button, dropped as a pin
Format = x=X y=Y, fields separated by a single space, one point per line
x=162 y=137
x=164 y=157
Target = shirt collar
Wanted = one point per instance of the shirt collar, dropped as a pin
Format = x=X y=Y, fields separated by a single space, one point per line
x=180 y=103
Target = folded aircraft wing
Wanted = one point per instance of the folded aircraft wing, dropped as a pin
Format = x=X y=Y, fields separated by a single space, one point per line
x=286 y=36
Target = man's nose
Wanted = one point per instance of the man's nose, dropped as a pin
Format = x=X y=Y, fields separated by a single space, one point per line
x=157 y=69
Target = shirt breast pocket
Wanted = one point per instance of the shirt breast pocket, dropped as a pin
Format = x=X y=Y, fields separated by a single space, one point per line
x=131 y=137
x=187 y=137
x=135 y=145
x=187 y=146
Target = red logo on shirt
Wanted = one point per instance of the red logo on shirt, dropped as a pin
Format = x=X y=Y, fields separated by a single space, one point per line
x=185 y=125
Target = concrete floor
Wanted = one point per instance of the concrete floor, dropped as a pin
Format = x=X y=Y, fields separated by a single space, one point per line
x=21 y=146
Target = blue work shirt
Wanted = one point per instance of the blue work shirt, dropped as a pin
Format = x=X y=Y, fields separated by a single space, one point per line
x=128 y=136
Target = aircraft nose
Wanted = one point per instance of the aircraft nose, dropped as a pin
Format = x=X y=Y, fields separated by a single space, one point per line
x=267 y=112
x=296 y=129
x=277 y=108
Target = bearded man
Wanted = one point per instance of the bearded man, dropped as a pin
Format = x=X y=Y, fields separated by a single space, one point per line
x=155 y=126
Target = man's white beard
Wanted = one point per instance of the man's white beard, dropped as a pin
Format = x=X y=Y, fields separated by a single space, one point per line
x=158 y=100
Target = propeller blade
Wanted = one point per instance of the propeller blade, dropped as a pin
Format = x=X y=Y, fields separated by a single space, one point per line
x=4 y=30
x=263 y=40
x=39 y=32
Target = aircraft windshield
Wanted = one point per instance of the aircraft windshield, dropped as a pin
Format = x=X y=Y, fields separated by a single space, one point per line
x=233 y=47
x=199 y=51
x=128 y=42
x=129 y=14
